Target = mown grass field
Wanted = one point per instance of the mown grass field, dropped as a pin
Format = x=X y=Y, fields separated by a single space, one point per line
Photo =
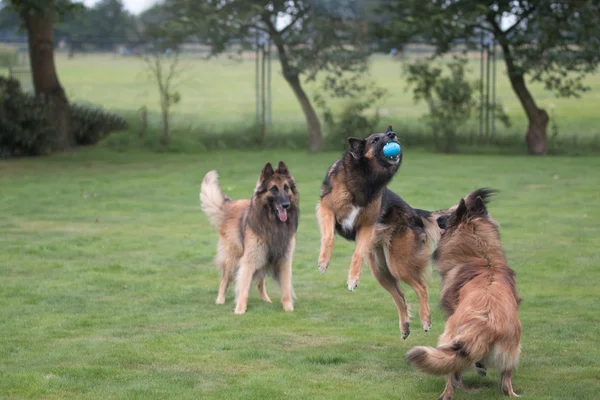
x=107 y=286
x=220 y=94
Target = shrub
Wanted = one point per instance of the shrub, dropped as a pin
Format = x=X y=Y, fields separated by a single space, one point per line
x=26 y=126
x=91 y=124
x=352 y=120
x=450 y=98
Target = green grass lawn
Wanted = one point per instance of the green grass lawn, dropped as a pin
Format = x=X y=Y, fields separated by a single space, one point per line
x=107 y=286
x=219 y=94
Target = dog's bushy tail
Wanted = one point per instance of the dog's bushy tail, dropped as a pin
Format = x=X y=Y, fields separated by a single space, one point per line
x=444 y=360
x=484 y=193
x=212 y=199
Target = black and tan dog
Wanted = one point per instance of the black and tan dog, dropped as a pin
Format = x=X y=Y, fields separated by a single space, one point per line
x=480 y=297
x=398 y=239
x=257 y=236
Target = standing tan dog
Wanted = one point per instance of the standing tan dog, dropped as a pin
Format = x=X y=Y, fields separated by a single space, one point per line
x=397 y=238
x=480 y=297
x=257 y=236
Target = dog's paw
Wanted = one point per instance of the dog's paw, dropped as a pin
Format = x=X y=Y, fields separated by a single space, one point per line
x=322 y=266
x=220 y=300
x=288 y=307
x=426 y=325
x=405 y=330
x=240 y=310
x=352 y=283
x=480 y=368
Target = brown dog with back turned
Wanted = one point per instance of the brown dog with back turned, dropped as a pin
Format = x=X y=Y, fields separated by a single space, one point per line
x=480 y=297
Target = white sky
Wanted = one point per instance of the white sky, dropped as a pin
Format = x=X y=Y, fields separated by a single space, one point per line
x=133 y=6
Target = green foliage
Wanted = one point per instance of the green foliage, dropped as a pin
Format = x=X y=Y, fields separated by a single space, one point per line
x=556 y=43
x=43 y=7
x=353 y=119
x=27 y=128
x=451 y=98
x=92 y=124
x=100 y=27
x=321 y=38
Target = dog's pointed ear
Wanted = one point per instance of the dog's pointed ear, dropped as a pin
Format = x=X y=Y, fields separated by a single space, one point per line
x=389 y=129
x=478 y=207
x=461 y=210
x=357 y=147
x=282 y=168
x=267 y=172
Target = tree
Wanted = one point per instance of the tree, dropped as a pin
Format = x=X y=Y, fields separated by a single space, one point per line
x=319 y=36
x=38 y=17
x=556 y=43
x=162 y=39
x=112 y=24
x=101 y=27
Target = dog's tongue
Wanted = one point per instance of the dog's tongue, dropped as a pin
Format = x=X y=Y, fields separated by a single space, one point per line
x=281 y=213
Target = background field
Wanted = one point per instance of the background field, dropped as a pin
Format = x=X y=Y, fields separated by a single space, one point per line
x=107 y=288
x=218 y=95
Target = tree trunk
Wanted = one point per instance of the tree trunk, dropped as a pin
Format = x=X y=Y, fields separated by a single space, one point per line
x=315 y=140
x=164 y=140
x=537 y=141
x=45 y=80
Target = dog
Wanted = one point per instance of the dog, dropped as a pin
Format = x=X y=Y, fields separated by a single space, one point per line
x=479 y=295
x=257 y=236
x=398 y=239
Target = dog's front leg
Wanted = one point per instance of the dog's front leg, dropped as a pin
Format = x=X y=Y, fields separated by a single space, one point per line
x=364 y=243
x=326 y=219
x=251 y=261
x=285 y=278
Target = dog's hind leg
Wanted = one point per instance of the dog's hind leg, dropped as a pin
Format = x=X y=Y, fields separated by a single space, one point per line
x=424 y=313
x=227 y=260
x=506 y=384
x=225 y=280
x=480 y=368
x=326 y=219
x=452 y=381
x=408 y=264
x=262 y=290
x=390 y=284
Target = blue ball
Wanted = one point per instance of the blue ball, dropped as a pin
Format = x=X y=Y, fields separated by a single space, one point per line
x=392 y=149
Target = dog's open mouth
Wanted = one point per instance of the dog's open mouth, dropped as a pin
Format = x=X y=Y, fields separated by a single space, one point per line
x=442 y=231
x=281 y=213
x=394 y=159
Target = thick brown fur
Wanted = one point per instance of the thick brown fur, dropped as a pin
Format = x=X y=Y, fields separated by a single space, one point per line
x=397 y=238
x=256 y=236
x=480 y=298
